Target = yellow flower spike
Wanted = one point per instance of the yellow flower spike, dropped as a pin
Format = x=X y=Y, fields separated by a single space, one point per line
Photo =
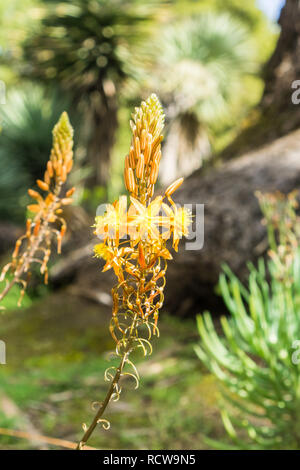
x=140 y=261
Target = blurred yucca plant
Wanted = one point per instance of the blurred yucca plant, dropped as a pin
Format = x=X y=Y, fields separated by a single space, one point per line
x=256 y=361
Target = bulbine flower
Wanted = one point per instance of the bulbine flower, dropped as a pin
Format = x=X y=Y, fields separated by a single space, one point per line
x=139 y=260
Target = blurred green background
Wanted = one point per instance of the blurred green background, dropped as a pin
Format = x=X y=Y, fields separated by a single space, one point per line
x=97 y=59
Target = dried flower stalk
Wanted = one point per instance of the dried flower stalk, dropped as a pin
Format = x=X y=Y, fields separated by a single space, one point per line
x=46 y=221
x=140 y=260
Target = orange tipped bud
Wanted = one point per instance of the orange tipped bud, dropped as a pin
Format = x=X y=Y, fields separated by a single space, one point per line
x=28 y=227
x=70 y=192
x=42 y=185
x=16 y=250
x=34 y=208
x=69 y=166
x=137 y=147
x=157 y=155
x=140 y=167
x=34 y=194
x=141 y=258
x=58 y=169
x=132 y=158
x=126 y=180
x=156 y=144
x=63 y=230
x=36 y=228
x=147 y=151
x=58 y=243
x=154 y=173
x=143 y=139
x=174 y=186
x=151 y=190
x=49 y=199
x=66 y=201
x=50 y=169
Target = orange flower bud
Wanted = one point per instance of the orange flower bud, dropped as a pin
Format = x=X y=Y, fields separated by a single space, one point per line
x=141 y=258
x=46 y=177
x=151 y=190
x=157 y=155
x=132 y=158
x=147 y=151
x=17 y=247
x=34 y=194
x=36 y=228
x=66 y=201
x=59 y=243
x=156 y=143
x=140 y=167
x=50 y=169
x=63 y=230
x=58 y=169
x=174 y=186
x=28 y=227
x=143 y=139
